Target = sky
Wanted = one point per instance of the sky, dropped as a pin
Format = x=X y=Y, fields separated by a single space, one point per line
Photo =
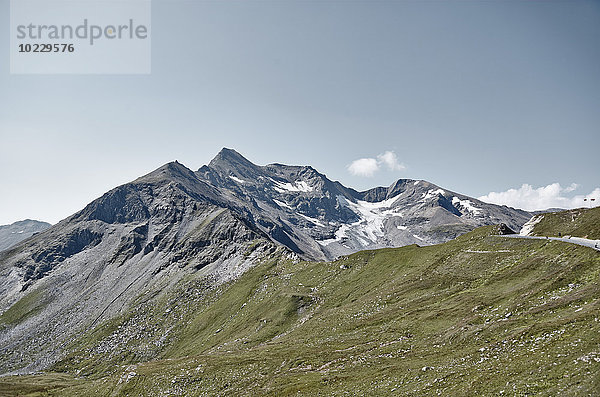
x=497 y=100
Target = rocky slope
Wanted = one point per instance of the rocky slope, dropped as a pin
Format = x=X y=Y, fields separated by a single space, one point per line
x=19 y=231
x=138 y=238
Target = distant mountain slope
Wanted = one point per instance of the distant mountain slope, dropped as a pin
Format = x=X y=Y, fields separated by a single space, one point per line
x=19 y=231
x=480 y=315
x=581 y=222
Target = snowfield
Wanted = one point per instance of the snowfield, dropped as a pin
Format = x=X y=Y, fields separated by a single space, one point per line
x=238 y=180
x=466 y=204
x=370 y=226
x=528 y=227
x=298 y=186
x=433 y=193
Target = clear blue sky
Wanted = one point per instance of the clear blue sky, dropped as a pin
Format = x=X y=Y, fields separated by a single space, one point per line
x=473 y=96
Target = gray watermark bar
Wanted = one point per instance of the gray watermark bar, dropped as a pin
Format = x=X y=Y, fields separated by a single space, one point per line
x=80 y=36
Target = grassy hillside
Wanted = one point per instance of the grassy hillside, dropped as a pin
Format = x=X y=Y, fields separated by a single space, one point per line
x=482 y=314
x=581 y=222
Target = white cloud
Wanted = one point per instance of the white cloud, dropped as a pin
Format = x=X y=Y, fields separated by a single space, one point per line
x=391 y=161
x=552 y=196
x=369 y=166
x=364 y=167
x=571 y=188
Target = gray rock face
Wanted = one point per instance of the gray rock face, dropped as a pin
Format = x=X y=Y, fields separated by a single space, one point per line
x=19 y=231
x=144 y=237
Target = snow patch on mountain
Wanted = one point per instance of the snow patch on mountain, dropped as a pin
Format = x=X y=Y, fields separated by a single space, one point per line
x=298 y=186
x=433 y=193
x=313 y=220
x=340 y=235
x=528 y=227
x=238 y=180
x=370 y=227
x=282 y=204
x=466 y=204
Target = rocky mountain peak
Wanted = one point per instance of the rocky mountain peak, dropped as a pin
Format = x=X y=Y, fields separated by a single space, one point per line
x=171 y=171
x=228 y=160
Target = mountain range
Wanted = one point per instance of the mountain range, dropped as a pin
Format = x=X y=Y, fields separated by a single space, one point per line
x=220 y=219
x=236 y=257
x=322 y=219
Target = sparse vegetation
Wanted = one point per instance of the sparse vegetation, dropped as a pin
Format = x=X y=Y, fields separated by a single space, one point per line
x=38 y=385
x=26 y=307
